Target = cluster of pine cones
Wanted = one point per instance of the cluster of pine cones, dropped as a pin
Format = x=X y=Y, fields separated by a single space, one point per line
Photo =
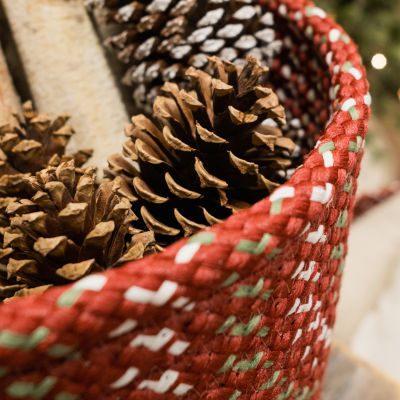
x=57 y=223
x=212 y=146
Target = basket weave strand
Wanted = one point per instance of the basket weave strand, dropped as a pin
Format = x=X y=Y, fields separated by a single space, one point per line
x=243 y=310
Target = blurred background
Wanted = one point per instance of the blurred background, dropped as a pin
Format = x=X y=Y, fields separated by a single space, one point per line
x=369 y=312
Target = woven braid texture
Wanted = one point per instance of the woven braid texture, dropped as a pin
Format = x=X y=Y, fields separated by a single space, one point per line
x=243 y=310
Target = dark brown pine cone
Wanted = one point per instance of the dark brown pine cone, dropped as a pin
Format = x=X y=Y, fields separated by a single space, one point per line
x=67 y=229
x=159 y=39
x=206 y=153
x=33 y=143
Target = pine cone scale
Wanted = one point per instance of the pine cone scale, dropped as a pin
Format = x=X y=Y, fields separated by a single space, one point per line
x=156 y=226
x=72 y=272
x=54 y=247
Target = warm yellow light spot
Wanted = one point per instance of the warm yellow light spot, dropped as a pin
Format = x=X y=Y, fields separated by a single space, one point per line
x=379 y=61
x=398 y=94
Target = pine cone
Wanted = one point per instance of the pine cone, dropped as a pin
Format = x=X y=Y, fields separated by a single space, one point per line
x=32 y=144
x=66 y=230
x=161 y=38
x=207 y=153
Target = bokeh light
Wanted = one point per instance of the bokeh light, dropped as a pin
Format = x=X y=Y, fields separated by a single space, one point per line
x=379 y=61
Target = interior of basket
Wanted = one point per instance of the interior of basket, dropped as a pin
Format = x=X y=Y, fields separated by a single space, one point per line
x=301 y=78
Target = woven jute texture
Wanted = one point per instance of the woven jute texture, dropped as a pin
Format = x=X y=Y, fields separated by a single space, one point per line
x=243 y=310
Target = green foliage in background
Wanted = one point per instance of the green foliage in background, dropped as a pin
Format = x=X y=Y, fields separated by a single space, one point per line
x=375 y=27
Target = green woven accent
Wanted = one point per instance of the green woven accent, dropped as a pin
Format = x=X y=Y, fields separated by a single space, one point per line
x=38 y=335
x=337 y=252
x=336 y=90
x=18 y=341
x=342 y=220
x=354 y=114
x=228 y=364
x=309 y=32
x=311 y=95
x=256 y=248
x=263 y=331
x=66 y=396
x=266 y=295
x=271 y=382
x=263 y=243
x=235 y=395
x=246 y=246
x=282 y=381
x=276 y=207
x=231 y=279
x=323 y=39
x=245 y=365
x=274 y=253
x=268 y=364
x=246 y=329
x=304 y=394
x=68 y=298
x=345 y=38
x=341 y=268
x=347 y=187
x=202 y=238
x=355 y=146
x=347 y=66
x=21 y=390
x=309 y=11
x=59 y=350
x=315 y=389
x=332 y=281
x=75 y=356
x=226 y=325
x=44 y=387
x=3 y=371
x=249 y=291
x=285 y=395
x=326 y=147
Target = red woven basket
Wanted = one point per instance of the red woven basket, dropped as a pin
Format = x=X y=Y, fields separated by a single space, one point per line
x=243 y=310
